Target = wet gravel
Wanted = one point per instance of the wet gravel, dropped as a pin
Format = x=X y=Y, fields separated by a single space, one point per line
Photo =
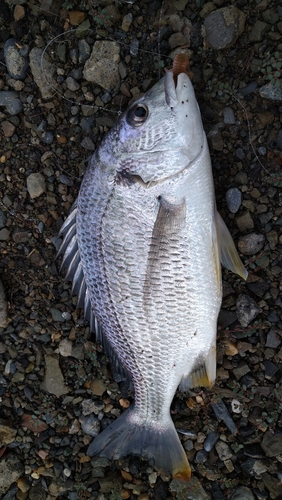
x=56 y=387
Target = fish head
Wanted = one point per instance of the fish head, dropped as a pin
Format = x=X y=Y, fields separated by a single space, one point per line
x=161 y=133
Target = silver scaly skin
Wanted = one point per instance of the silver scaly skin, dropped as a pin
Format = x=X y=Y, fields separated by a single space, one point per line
x=143 y=246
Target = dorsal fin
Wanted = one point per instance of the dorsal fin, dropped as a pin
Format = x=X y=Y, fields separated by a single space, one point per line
x=72 y=262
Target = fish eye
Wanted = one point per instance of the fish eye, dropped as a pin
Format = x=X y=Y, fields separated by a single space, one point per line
x=137 y=115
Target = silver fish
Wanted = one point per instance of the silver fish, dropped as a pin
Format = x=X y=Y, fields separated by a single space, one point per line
x=143 y=246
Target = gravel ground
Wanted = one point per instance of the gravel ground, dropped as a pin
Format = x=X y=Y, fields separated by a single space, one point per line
x=56 y=387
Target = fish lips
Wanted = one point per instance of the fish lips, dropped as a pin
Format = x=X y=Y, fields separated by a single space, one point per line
x=182 y=92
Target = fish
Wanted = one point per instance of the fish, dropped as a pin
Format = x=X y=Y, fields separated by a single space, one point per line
x=143 y=246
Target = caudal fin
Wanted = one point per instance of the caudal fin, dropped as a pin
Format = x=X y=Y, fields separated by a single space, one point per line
x=156 y=442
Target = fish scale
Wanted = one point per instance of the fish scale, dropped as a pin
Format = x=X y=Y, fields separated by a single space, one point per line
x=145 y=241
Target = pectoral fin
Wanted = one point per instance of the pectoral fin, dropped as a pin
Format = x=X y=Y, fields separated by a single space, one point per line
x=204 y=374
x=228 y=254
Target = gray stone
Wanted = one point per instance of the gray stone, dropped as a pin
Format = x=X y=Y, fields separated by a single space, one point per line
x=211 y=440
x=10 y=471
x=134 y=47
x=224 y=26
x=246 y=309
x=90 y=424
x=57 y=316
x=72 y=84
x=251 y=243
x=258 y=31
x=4 y=234
x=254 y=467
x=233 y=199
x=84 y=51
x=251 y=87
x=53 y=380
x=192 y=490
x=222 y=413
x=16 y=64
x=201 y=456
x=271 y=92
x=223 y=450
x=242 y=493
x=228 y=116
x=47 y=137
x=43 y=73
x=273 y=340
x=240 y=154
x=102 y=66
x=215 y=138
x=36 y=185
x=11 y=101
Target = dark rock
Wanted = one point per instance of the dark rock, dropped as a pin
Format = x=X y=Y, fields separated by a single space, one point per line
x=240 y=154
x=273 y=340
x=226 y=318
x=258 y=31
x=270 y=369
x=273 y=317
x=254 y=450
x=272 y=484
x=37 y=492
x=11 y=101
x=3 y=308
x=249 y=89
x=17 y=65
x=242 y=493
x=201 y=456
x=259 y=288
x=272 y=443
x=254 y=467
x=246 y=309
x=246 y=430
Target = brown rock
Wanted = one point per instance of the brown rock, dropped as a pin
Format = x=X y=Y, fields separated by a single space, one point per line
x=8 y=128
x=265 y=118
x=33 y=423
x=19 y=12
x=7 y=434
x=98 y=387
x=76 y=17
x=245 y=222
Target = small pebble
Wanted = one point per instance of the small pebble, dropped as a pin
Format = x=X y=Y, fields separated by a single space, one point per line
x=234 y=199
x=246 y=309
x=228 y=116
x=36 y=185
x=211 y=440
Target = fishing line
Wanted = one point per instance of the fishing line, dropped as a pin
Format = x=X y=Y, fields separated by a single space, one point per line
x=249 y=130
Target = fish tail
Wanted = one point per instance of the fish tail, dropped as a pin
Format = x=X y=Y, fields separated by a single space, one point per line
x=157 y=442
